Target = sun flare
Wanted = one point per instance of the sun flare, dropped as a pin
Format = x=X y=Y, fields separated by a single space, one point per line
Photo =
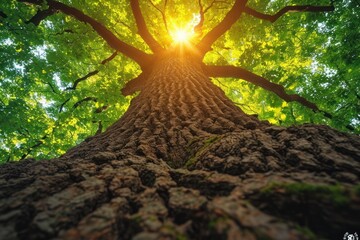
x=183 y=31
x=181 y=36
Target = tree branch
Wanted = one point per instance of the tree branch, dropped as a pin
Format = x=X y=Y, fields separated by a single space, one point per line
x=137 y=55
x=87 y=99
x=273 y=18
x=63 y=104
x=2 y=14
x=64 y=31
x=237 y=72
x=38 y=144
x=162 y=13
x=100 y=127
x=198 y=27
x=202 y=11
x=90 y=74
x=77 y=81
x=135 y=84
x=41 y=15
x=142 y=29
x=101 y=109
x=52 y=87
x=231 y=17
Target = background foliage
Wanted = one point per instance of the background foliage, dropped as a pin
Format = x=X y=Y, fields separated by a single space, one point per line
x=42 y=114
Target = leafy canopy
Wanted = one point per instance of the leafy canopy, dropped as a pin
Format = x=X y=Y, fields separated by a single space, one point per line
x=60 y=81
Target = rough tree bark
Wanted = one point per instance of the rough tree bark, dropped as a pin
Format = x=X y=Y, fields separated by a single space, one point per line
x=185 y=163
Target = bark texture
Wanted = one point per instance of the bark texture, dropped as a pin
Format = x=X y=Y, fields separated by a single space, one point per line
x=185 y=163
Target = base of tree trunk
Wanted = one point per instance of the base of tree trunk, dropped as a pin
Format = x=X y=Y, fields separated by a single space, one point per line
x=278 y=183
x=185 y=163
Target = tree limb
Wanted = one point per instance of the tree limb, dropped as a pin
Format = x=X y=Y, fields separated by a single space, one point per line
x=162 y=13
x=64 y=31
x=2 y=14
x=273 y=18
x=198 y=27
x=330 y=116
x=87 y=99
x=137 y=55
x=237 y=72
x=41 y=15
x=231 y=17
x=100 y=127
x=135 y=84
x=90 y=74
x=38 y=144
x=142 y=29
x=52 y=87
x=63 y=104
x=101 y=109
x=202 y=11
x=77 y=81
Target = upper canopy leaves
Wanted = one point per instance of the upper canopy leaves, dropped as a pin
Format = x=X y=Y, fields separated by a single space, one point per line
x=61 y=79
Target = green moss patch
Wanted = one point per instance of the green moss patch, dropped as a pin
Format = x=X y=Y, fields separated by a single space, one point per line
x=205 y=145
x=335 y=194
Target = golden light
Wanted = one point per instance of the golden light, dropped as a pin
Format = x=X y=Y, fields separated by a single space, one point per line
x=181 y=36
x=183 y=31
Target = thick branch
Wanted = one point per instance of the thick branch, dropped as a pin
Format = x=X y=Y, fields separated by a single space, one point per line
x=231 y=17
x=273 y=18
x=137 y=55
x=237 y=72
x=41 y=15
x=135 y=84
x=142 y=29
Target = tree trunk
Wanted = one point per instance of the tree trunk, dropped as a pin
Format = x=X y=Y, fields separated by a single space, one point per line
x=185 y=163
x=178 y=105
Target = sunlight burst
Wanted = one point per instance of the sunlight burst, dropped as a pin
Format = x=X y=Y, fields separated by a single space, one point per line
x=181 y=36
x=183 y=31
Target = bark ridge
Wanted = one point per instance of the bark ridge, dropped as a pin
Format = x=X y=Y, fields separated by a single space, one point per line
x=185 y=163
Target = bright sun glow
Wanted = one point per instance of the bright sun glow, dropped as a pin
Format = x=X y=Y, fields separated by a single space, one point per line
x=186 y=32
x=181 y=36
